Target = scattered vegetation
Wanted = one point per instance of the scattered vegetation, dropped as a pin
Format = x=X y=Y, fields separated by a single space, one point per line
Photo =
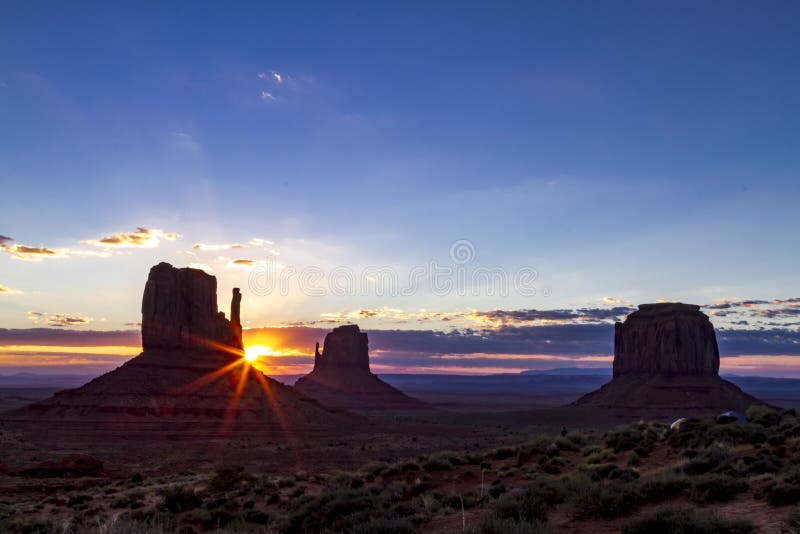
x=509 y=489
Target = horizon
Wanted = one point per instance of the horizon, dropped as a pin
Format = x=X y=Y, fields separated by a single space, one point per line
x=480 y=189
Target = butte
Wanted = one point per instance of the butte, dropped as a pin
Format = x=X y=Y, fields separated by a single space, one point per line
x=666 y=363
x=342 y=377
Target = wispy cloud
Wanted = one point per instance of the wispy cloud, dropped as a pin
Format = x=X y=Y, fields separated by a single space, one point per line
x=8 y=291
x=224 y=246
x=58 y=319
x=266 y=96
x=29 y=253
x=489 y=319
x=202 y=266
x=245 y=263
x=141 y=237
x=5 y=240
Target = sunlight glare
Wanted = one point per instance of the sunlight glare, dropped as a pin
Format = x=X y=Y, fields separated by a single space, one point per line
x=252 y=352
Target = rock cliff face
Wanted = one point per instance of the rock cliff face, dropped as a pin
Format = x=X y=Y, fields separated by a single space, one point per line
x=342 y=379
x=666 y=339
x=179 y=311
x=346 y=347
x=666 y=361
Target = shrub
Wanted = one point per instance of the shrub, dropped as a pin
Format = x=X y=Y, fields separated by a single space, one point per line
x=337 y=509
x=495 y=525
x=762 y=415
x=601 y=456
x=664 y=486
x=716 y=488
x=792 y=521
x=178 y=499
x=710 y=459
x=783 y=493
x=383 y=525
x=686 y=521
x=226 y=478
x=607 y=500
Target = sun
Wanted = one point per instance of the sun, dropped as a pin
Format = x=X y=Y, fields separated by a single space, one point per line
x=252 y=352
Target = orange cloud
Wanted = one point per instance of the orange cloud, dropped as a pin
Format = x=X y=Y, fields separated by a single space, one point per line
x=141 y=237
x=8 y=291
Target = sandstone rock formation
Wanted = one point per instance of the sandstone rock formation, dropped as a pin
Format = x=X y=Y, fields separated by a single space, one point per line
x=191 y=369
x=179 y=311
x=342 y=378
x=666 y=361
x=667 y=339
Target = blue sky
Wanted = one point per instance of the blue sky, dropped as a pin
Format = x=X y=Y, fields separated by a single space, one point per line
x=631 y=151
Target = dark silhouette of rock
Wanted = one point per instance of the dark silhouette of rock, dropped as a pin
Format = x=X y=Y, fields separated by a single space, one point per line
x=342 y=378
x=236 y=321
x=179 y=310
x=192 y=367
x=346 y=349
x=666 y=362
x=666 y=339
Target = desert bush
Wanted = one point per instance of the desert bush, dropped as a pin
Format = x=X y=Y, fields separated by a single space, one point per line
x=601 y=456
x=553 y=466
x=712 y=458
x=177 y=499
x=578 y=438
x=608 y=500
x=565 y=444
x=333 y=510
x=663 y=486
x=495 y=525
x=590 y=449
x=624 y=439
x=716 y=488
x=762 y=415
x=783 y=493
x=503 y=453
x=226 y=478
x=436 y=464
x=792 y=521
x=529 y=503
x=383 y=525
x=684 y=520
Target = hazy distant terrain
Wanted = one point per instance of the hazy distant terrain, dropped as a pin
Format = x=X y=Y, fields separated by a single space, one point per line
x=463 y=393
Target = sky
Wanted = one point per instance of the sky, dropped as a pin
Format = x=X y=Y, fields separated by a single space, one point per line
x=449 y=176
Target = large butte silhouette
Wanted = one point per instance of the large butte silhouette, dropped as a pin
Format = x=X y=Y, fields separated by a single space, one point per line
x=342 y=378
x=666 y=359
x=191 y=368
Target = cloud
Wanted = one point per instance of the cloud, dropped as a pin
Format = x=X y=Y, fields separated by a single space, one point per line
x=487 y=319
x=276 y=76
x=141 y=237
x=266 y=96
x=202 y=266
x=5 y=240
x=8 y=291
x=29 y=253
x=58 y=319
x=245 y=263
x=258 y=242
x=558 y=315
x=225 y=246
x=62 y=319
